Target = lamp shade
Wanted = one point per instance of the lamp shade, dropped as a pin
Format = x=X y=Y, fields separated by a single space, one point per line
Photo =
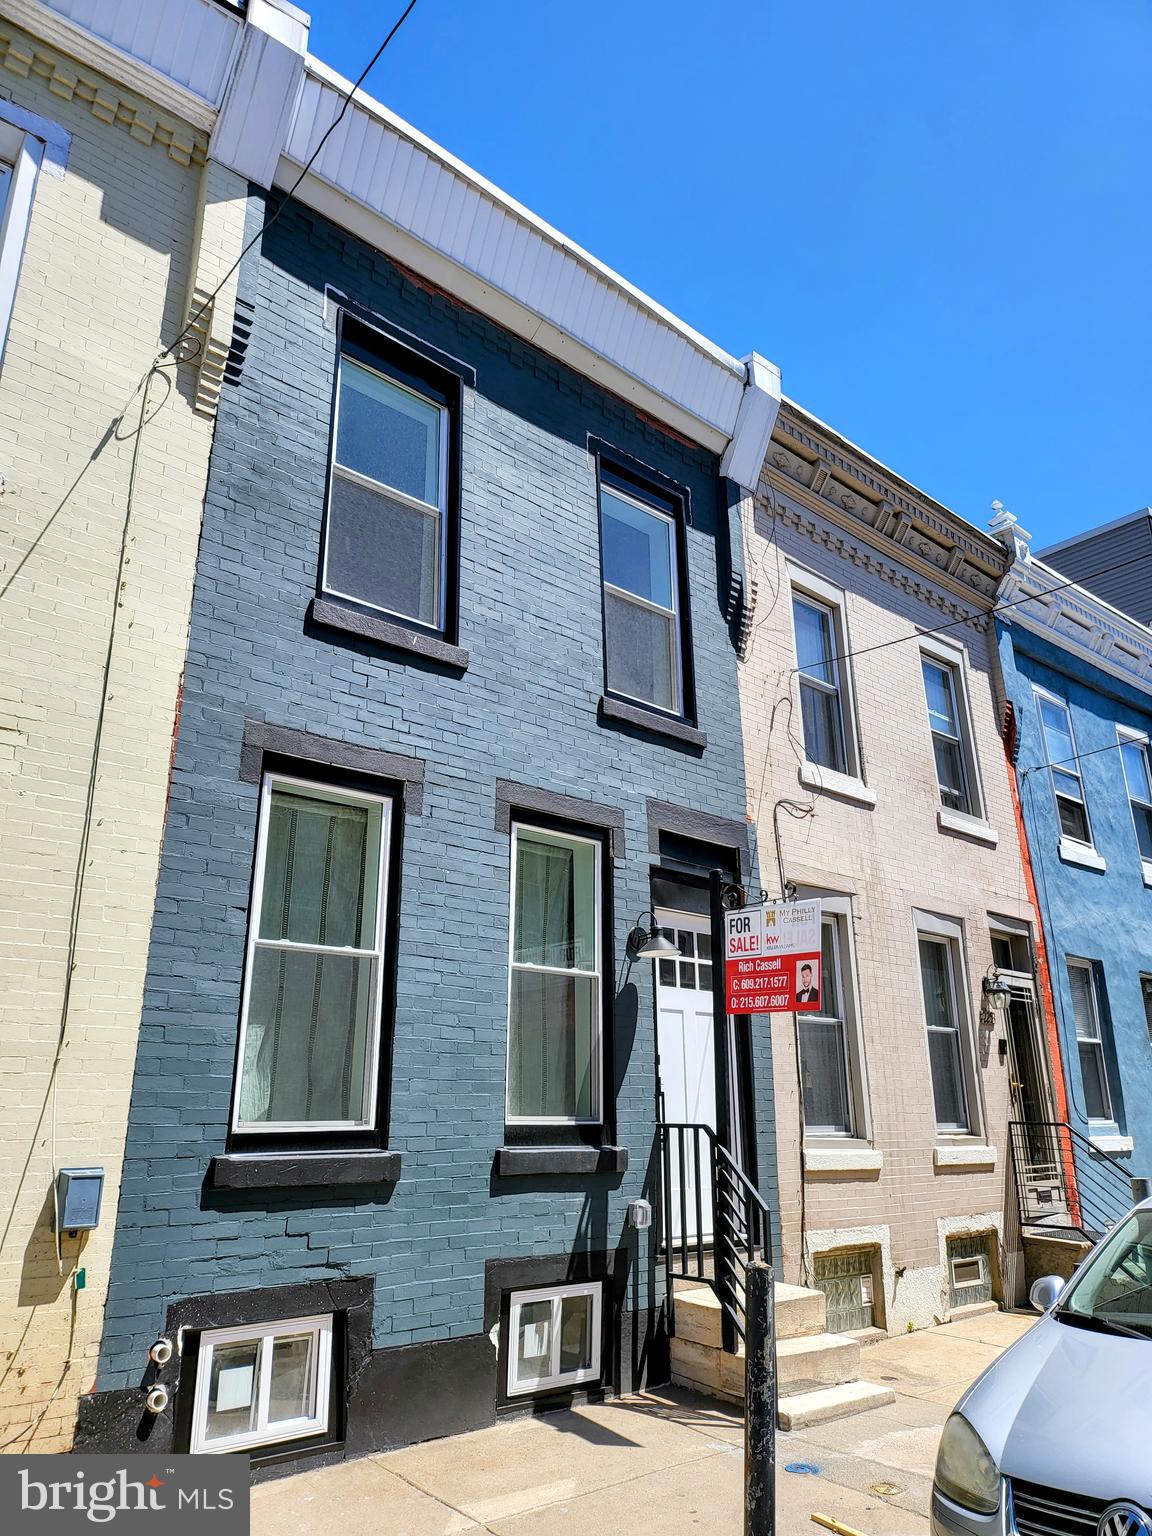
x=997 y=992
x=656 y=946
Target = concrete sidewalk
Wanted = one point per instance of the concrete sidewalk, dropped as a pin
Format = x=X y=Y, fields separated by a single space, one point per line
x=656 y=1464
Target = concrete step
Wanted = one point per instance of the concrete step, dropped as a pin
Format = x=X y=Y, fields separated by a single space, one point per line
x=799 y=1311
x=819 y=1359
x=799 y=1410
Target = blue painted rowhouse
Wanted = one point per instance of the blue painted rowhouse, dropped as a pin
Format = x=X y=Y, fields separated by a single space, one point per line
x=460 y=710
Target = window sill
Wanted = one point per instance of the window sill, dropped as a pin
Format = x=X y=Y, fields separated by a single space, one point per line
x=1113 y=1144
x=615 y=710
x=292 y=1170
x=968 y=826
x=854 y=1162
x=1081 y=853
x=523 y=1162
x=846 y=785
x=350 y=621
x=974 y=1157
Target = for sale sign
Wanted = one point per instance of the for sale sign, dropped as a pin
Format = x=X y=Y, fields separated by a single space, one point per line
x=772 y=958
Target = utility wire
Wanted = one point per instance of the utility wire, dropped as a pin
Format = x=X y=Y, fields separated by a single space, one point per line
x=1113 y=746
x=348 y=98
x=974 y=618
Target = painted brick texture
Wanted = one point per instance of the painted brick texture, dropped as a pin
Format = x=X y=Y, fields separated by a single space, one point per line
x=525 y=710
x=1104 y=916
x=890 y=859
x=104 y=278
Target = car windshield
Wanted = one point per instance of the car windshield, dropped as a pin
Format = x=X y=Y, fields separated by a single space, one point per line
x=1115 y=1287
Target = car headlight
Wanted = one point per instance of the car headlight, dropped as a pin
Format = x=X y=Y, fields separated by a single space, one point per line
x=965 y=1471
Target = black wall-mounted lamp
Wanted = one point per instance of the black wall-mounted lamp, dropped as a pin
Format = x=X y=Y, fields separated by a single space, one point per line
x=650 y=943
x=996 y=995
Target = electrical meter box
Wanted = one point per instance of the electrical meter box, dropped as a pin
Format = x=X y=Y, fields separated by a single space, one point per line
x=78 y=1192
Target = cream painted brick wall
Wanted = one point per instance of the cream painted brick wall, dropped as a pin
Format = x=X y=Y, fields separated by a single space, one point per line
x=890 y=859
x=104 y=283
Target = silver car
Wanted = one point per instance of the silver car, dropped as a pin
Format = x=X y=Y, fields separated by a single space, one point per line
x=1055 y=1438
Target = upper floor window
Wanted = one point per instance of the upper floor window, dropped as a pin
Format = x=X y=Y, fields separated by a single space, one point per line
x=951 y=736
x=947 y=1022
x=1090 y=1040
x=1134 y=754
x=1060 y=754
x=554 y=986
x=1146 y=994
x=309 y=1029
x=825 y=698
x=642 y=609
x=387 y=535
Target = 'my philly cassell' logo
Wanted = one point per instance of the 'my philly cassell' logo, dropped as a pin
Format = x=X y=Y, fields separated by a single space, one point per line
x=103 y=1500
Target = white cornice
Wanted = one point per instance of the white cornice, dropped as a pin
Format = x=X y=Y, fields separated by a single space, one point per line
x=46 y=25
x=1078 y=621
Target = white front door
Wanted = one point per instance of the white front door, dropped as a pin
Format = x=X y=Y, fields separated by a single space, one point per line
x=687 y=1063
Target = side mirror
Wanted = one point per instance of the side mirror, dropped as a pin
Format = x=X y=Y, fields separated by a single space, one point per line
x=1045 y=1291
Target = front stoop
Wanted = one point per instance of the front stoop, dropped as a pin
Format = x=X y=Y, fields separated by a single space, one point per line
x=816 y=1370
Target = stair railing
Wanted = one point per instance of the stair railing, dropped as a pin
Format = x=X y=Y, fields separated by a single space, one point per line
x=1064 y=1181
x=713 y=1221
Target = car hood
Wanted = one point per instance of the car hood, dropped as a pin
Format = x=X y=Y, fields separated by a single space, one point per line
x=1070 y=1409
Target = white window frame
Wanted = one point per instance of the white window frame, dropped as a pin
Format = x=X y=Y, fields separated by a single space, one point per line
x=556 y=1378
x=980 y=1260
x=265 y=1334
x=954 y=661
x=818 y=593
x=950 y=931
x=637 y=500
x=838 y=910
x=1078 y=963
x=1125 y=736
x=24 y=152
x=439 y=512
x=1070 y=770
x=323 y=791
x=597 y=975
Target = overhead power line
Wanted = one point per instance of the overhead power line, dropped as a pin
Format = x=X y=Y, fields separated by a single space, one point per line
x=346 y=102
x=1031 y=597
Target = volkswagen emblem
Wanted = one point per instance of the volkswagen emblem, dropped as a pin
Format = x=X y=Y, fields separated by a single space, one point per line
x=1124 y=1520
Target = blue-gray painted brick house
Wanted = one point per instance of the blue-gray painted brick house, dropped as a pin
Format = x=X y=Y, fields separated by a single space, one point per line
x=490 y=605
x=1076 y=673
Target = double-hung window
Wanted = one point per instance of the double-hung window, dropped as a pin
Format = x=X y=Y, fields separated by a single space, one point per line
x=386 y=541
x=1089 y=1040
x=642 y=608
x=946 y=1022
x=826 y=1041
x=823 y=703
x=951 y=746
x=261 y=1385
x=310 y=1023
x=1060 y=754
x=555 y=987
x=1134 y=755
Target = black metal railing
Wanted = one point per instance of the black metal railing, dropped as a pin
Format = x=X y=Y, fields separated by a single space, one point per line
x=1064 y=1181
x=713 y=1221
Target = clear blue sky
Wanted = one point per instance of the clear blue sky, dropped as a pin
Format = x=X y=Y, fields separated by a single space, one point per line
x=935 y=218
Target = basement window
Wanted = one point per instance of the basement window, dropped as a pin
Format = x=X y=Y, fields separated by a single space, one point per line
x=262 y=1385
x=554 y=1338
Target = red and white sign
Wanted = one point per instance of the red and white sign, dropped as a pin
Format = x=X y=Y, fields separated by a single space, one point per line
x=772 y=958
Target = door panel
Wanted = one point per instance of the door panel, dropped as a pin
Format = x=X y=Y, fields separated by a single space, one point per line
x=685 y=1049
